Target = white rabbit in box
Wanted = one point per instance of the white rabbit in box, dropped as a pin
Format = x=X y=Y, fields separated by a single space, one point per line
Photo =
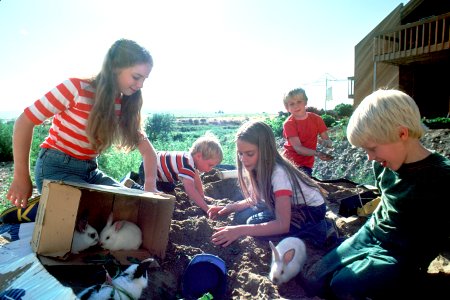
x=84 y=235
x=122 y=235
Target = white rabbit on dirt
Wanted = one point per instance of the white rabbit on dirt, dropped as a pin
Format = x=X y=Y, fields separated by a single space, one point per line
x=127 y=285
x=122 y=235
x=288 y=258
x=84 y=235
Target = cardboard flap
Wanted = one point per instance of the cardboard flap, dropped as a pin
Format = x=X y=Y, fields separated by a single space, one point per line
x=55 y=220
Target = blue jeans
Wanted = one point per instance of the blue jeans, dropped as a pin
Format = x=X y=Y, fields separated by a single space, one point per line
x=56 y=165
x=314 y=228
x=254 y=215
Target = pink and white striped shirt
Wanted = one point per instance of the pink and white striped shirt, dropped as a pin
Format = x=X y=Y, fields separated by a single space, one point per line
x=69 y=104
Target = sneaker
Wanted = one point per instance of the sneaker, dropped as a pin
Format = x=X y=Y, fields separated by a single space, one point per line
x=135 y=176
x=21 y=215
x=129 y=183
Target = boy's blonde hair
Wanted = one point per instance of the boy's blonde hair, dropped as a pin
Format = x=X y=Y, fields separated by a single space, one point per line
x=293 y=93
x=209 y=146
x=379 y=115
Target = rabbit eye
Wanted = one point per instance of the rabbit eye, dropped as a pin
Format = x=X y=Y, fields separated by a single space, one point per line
x=282 y=272
x=92 y=235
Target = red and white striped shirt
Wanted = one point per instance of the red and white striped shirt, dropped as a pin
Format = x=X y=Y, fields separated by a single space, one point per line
x=69 y=104
x=175 y=164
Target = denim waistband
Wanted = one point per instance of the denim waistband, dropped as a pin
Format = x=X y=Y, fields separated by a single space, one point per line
x=56 y=152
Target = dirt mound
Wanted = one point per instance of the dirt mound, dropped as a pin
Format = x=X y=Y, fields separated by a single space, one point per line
x=247 y=260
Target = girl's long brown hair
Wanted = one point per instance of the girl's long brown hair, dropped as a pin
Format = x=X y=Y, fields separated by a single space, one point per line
x=104 y=127
x=260 y=187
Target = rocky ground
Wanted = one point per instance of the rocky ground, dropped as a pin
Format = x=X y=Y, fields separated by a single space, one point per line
x=248 y=259
x=352 y=163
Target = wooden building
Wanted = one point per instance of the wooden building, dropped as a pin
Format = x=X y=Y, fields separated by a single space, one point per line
x=409 y=50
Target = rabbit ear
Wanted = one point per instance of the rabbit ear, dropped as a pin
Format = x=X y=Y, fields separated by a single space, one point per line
x=118 y=225
x=288 y=256
x=110 y=219
x=142 y=268
x=83 y=221
x=82 y=225
x=274 y=251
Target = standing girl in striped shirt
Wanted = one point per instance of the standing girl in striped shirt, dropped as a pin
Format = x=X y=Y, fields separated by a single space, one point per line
x=89 y=115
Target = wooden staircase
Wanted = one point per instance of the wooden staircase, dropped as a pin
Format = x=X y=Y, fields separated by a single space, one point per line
x=414 y=41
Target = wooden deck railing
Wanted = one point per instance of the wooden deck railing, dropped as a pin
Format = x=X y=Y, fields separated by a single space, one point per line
x=422 y=37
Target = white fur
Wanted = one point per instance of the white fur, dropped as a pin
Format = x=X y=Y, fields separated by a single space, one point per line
x=124 y=282
x=288 y=258
x=122 y=235
x=85 y=239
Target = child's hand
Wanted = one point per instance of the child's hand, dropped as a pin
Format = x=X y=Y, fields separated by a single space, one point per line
x=224 y=236
x=327 y=143
x=324 y=156
x=20 y=190
x=214 y=211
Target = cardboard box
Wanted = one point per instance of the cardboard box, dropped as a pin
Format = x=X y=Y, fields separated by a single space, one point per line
x=61 y=202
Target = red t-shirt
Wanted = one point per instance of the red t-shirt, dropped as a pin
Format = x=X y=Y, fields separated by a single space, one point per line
x=307 y=131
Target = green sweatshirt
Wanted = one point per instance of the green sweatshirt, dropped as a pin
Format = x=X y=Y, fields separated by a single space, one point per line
x=412 y=219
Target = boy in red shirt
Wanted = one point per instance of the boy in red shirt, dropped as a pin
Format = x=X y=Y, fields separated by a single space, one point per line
x=301 y=130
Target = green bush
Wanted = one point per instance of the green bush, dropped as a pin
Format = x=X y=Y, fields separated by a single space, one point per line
x=339 y=129
x=277 y=123
x=343 y=110
x=159 y=126
x=437 y=123
x=328 y=119
x=6 y=132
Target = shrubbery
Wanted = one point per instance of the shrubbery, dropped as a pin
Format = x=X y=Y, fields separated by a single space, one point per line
x=158 y=126
x=437 y=123
x=277 y=123
x=344 y=110
x=6 y=131
x=328 y=119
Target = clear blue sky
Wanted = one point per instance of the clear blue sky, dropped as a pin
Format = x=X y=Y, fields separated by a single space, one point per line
x=230 y=55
